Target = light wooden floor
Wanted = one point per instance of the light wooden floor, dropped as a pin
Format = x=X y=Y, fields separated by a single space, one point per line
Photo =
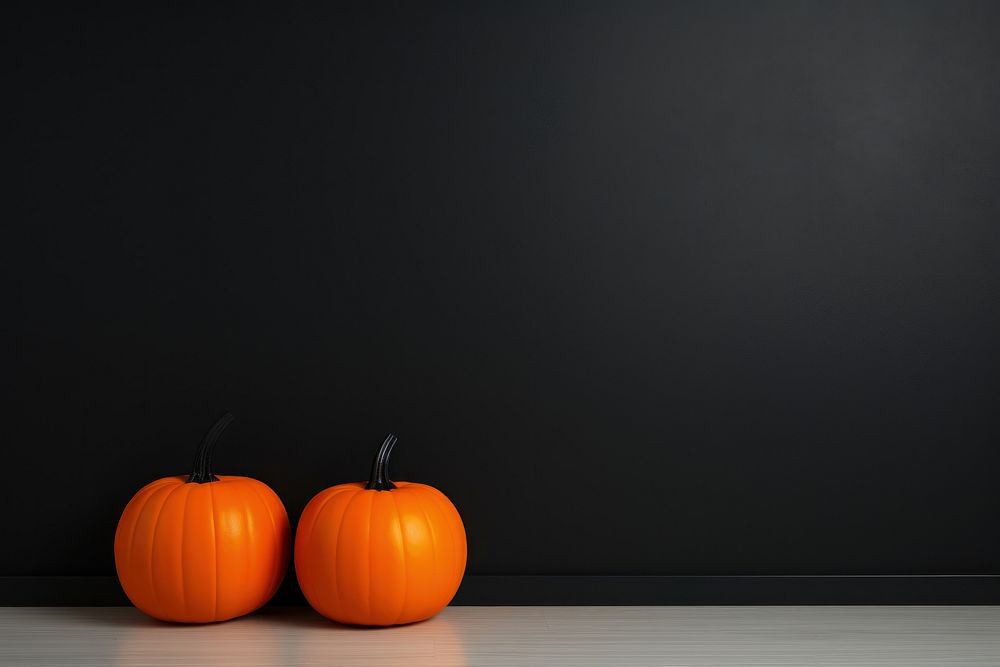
x=881 y=636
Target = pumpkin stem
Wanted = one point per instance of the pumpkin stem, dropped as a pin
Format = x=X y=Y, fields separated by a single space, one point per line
x=380 y=466
x=203 y=457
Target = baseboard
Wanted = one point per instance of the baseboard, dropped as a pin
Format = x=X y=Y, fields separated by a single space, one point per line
x=730 y=590
x=597 y=590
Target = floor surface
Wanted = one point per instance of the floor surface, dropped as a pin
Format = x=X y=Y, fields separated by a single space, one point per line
x=884 y=636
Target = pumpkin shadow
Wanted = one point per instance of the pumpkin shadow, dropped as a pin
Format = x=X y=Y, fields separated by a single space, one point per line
x=247 y=640
x=299 y=616
x=283 y=636
x=304 y=616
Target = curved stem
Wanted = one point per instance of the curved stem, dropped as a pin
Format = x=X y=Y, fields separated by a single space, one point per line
x=203 y=457
x=379 y=479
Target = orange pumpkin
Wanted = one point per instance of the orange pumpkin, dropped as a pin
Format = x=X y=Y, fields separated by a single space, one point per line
x=380 y=553
x=202 y=548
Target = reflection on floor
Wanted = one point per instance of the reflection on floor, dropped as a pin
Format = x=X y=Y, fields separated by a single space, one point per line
x=516 y=636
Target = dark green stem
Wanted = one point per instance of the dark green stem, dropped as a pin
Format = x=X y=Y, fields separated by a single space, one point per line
x=379 y=480
x=203 y=458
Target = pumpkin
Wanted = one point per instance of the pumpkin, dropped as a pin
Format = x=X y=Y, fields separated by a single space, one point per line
x=201 y=547
x=381 y=553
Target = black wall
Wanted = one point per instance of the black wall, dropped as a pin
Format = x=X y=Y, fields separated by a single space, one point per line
x=664 y=288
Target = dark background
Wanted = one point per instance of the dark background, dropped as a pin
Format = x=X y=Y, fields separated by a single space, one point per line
x=664 y=288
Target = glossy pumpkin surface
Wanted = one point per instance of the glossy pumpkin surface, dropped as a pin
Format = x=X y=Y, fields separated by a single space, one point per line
x=200 y=552
x=370 y=556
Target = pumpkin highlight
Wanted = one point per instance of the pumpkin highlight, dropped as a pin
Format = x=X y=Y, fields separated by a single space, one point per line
x=381 y=553
x=202 y=548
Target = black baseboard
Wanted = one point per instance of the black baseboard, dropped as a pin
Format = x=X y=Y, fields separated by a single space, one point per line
x=597 y=590
x=730 y=590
